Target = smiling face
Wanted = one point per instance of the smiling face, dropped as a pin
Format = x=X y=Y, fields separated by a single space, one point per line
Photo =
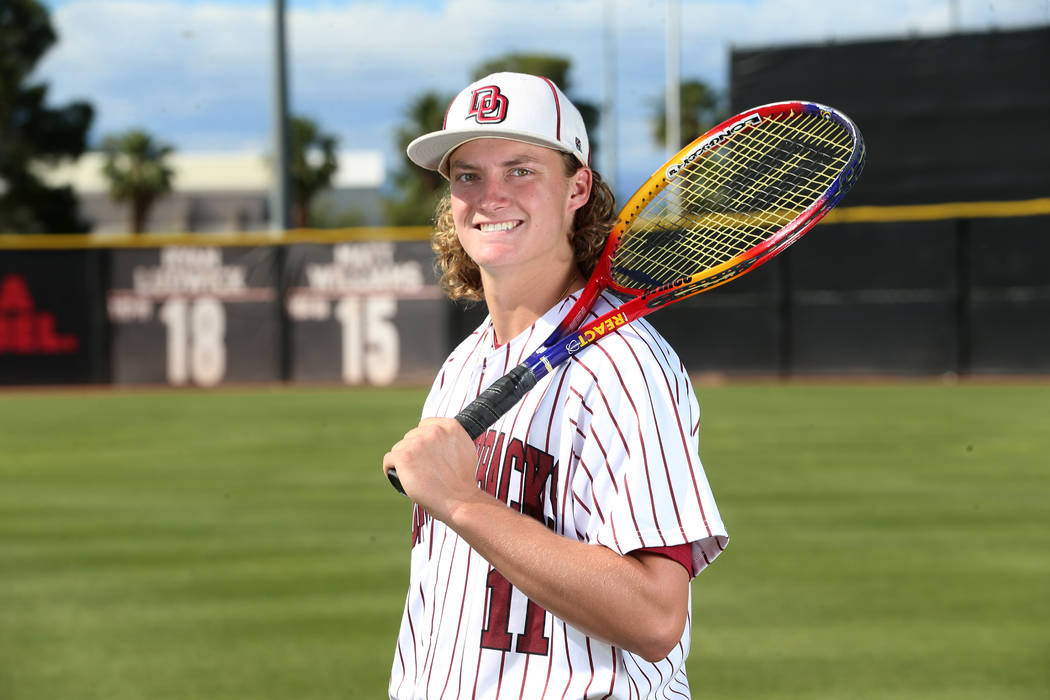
x=513 y=207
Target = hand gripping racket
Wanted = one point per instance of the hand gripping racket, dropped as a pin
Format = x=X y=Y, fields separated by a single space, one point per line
x=723 y=205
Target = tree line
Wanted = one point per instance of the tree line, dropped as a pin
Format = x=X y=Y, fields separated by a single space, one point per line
x=136 y=163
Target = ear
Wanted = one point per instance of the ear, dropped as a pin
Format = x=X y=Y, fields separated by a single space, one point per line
x=579 y=188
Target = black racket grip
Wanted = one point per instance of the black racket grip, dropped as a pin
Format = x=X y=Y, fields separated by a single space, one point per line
x=499 y=398
x=395 y=482
x=485 y=410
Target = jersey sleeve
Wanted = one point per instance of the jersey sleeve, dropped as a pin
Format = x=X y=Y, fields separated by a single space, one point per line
x=636 y=479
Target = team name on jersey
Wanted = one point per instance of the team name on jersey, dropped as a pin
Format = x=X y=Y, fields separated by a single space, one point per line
x=499 y=457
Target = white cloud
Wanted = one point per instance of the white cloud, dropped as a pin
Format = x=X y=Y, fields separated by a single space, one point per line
x=198 y=73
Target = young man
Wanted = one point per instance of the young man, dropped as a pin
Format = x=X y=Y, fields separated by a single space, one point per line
x=553 y=557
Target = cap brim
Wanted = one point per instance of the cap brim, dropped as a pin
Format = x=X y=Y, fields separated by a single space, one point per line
x=431 y=151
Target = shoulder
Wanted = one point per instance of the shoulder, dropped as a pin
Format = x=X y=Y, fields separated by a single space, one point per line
x=632 y=361
x=636 y=346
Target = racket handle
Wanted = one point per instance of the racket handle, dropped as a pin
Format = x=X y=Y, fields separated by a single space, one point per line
x=391 y=475
x=499 y=398
x=485 y=410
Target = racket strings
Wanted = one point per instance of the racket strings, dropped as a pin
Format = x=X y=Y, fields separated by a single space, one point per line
x=732 y=199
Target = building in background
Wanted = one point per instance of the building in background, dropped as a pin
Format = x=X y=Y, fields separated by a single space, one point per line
x=225 y=191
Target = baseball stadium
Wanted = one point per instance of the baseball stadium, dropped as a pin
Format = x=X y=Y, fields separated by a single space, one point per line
x=199 y=384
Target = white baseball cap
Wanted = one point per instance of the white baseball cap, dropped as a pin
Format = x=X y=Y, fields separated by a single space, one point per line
x=513 y=106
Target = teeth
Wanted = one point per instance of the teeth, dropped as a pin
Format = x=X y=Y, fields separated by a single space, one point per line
x=502 y=226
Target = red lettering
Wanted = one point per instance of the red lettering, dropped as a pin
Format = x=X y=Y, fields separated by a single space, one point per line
x=23 y=329
x=533 y=640
x=537 y=471
x=484 y=444
x=49 y=340
x=14 y=295
x=16 y=333
x=496 y=634
x=492 y=473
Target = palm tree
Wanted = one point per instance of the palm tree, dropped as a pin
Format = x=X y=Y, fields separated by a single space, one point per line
x=313 y=164
x=418 y=189
x=137 y=172
x=700 y=110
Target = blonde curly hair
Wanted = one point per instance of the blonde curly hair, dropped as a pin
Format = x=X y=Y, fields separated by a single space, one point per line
x=461 y=277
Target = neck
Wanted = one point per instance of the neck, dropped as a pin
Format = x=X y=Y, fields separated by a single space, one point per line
x=514 y=306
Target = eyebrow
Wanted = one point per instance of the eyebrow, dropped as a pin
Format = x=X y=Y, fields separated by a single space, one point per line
x=511 y=163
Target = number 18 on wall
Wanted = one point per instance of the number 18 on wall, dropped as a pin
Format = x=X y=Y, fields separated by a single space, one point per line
x=196 y=340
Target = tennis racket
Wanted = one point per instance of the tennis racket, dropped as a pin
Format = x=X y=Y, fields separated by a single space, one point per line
x=722 y=206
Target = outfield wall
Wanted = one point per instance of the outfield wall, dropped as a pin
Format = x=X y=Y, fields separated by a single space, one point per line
x=918 y=290
x=355 y=306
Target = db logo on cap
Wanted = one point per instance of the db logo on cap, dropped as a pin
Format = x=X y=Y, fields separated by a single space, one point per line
x=488 y=105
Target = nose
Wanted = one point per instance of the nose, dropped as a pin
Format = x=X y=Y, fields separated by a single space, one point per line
x=492 y=194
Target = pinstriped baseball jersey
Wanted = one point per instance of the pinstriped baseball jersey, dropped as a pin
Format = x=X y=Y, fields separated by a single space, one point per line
x=603 y=450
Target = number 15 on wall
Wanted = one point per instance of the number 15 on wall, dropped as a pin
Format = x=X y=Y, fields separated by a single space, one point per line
x=371 y=346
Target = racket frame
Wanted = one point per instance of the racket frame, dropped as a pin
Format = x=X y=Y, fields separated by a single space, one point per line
x=574 y=333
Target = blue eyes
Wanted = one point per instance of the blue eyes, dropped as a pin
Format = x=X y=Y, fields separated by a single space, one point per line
x=473 y=177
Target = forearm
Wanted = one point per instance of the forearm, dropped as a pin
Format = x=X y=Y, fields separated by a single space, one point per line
x=639 y=604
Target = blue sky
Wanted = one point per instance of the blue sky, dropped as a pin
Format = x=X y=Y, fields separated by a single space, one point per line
x=196 y=73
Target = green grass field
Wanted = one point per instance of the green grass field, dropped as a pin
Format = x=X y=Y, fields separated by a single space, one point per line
x=889 y=541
